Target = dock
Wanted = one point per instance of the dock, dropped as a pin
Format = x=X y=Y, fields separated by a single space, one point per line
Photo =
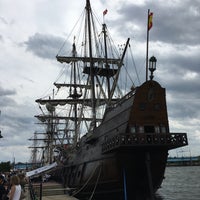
x=48 y=191
x=58 y=197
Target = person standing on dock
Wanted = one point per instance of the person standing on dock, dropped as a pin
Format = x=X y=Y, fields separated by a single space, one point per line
x=2 y=188
x=15 y=191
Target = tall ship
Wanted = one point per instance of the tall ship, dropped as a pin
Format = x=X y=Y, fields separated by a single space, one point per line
x=110 y=142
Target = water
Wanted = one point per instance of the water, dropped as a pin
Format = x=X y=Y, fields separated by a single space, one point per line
x=181 y=183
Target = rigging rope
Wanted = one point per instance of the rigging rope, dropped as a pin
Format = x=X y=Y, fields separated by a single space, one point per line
x=96 y=183
x=86 y=182
x=134 y=66
x=81 y=17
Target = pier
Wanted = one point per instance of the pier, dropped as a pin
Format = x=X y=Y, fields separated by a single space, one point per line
x=46 y=191
x=59 y=197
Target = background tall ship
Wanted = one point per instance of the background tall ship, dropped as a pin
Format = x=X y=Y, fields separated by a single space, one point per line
x=111 y=142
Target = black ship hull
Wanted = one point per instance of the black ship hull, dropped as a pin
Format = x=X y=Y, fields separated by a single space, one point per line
x=128 y=174
x=118 y=161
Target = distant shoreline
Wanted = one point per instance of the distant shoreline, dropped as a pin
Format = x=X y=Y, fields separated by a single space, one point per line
x=183 y=161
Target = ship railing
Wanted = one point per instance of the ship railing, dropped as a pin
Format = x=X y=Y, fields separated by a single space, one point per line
x=124 y=98
x=145 y=140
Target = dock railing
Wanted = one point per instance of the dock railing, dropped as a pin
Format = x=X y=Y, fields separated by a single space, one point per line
x=32 y=193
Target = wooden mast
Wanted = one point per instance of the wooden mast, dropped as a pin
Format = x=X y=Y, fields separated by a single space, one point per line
x=118 y=71
x=75 y=96
x=88 y=9
x=106 y=56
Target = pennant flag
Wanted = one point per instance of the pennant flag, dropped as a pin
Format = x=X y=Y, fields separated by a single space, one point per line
x=150 y=20
x=105 y=12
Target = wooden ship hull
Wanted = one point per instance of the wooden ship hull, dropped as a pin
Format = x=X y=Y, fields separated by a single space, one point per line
x=116 y=144
x=126 y=156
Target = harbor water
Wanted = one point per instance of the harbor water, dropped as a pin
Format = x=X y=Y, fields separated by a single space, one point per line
x=180 y=183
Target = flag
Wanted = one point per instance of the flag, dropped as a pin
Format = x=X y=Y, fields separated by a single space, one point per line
x=105 y=12
x=150 y=20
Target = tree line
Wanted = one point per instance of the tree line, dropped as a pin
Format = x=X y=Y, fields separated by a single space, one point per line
x=5 y=166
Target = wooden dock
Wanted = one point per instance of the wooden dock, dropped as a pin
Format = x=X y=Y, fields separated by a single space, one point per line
x=54 y=197
x=58 y=197
x=50 y=191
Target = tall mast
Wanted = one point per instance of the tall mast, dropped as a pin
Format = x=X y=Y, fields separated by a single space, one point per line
x=118 y=71
x=34 y=151
x=50 y=132
x=106 y=56
x=75 y=95
x=88 y=9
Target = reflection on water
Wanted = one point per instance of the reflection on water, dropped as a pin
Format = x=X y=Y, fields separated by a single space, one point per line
x=159 y=197
x=181 y=183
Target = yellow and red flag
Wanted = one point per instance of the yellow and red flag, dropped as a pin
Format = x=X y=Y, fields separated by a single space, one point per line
x=150 y=20
x=105 y=12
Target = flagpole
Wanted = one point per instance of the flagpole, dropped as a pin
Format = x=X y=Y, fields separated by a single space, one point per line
x=147 y=48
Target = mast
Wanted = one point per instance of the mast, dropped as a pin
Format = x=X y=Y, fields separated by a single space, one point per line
x=106 y=56
x=88 y=9
x=96 y=63
x=75 y=95
x=50 y=133
x=118 y=71
x=34 y=150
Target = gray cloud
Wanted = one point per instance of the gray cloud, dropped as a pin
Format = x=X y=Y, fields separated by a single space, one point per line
x=7 y=101
x=182 y=109
x=44 y=46
x=6 y=97
x=175 y=23
x=3 y=20
x=174 y=40
x=17 y=130
x=1 y=38
x=6 y=92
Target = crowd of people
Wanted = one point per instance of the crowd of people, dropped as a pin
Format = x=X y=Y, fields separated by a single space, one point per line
x=12 y=186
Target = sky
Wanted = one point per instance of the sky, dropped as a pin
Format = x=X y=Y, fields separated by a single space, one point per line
x=32 y=32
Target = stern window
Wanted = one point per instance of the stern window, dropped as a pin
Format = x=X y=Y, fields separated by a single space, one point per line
x=141 y=129
x=157 y=129
x=163 y=129
x=133 y=129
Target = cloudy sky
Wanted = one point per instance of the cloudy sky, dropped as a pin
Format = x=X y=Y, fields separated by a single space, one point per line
x=32 y=32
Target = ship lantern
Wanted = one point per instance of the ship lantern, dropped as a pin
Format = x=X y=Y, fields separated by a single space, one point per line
x=152 y=66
